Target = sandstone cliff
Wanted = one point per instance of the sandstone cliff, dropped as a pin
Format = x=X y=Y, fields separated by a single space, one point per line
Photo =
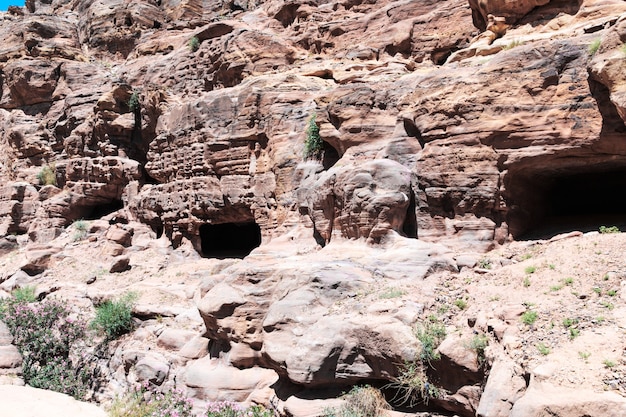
x=176 y=129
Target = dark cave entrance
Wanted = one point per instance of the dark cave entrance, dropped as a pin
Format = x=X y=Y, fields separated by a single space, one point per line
x=229 y=240
x=330 y=156
x=98 y=211
x=576 y=199
x=409 y=227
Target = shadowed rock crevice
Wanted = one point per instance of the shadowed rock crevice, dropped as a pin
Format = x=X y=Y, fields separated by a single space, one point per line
x=229 y=240
x=544 y=203
x=100 y=210
x=611 y=121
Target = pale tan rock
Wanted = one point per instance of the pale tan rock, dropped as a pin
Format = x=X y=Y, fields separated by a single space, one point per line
x=196 y=348
x=119 y=235
x=152 y=367
x=543 y=398
x=120 y=264
x=209 y=380
x=504 y=387
x=175 y=339
x=9 y=357
x=33 y=402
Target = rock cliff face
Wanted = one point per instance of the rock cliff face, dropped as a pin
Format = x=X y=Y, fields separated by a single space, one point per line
x=448 y=127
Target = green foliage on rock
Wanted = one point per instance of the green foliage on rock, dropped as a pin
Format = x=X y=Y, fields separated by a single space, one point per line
x=313 y=145
x=47 y=176
x=47 y=334
x=365 y=401
x=133 y=101
x=194 y=44
x=113 y=317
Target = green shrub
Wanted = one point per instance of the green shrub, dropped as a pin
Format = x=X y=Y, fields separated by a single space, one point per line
x=143 y=403
x=478 y=344
x=529 y=317
x=80 y=229
x=24 y=295
x=392 y=293
x=313 y=145
x=530 y=269
x=114 y=318
x=608 y=230
x=594 y=46
x=430 y=334
x=194 y=44
x=609 y=363
x=461 y=304
x=46 y=333
x=133 y=101
x=412 y=385
x=47 y=176
x=484 y=264
x=363 y=401
x=543 y=349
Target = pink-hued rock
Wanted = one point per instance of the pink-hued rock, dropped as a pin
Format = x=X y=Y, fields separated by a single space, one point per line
x=542 y=399
x=209 y=380
x=511 y=10
x=26 y=401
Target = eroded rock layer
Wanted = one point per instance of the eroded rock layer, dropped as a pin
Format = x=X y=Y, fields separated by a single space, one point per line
x=446 y=127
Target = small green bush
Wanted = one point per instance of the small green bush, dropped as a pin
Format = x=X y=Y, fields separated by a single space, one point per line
x=143 y=403
x=194 y=44
x=543 y=349
x=530 y=269
x=24 y=295
x=363 y=401
x=313 y=145
x=478 y=344
x=430 y=334
x=609 y=230
x=412 y=385
x=114 y=318
x=392 y=293
x=609 y=363
x=484 y=264
x=133 y=101
x=529 y=317
x=594 y=46
x=80 y=229
x=47 y=176
x=460 y=304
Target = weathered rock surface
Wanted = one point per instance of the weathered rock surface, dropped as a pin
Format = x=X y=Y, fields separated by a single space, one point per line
x=33 y=402
x=436 y=139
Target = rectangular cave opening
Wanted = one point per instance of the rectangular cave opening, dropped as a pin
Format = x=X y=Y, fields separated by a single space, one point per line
x=98 y=211
x=546 y=205
x=229 y=240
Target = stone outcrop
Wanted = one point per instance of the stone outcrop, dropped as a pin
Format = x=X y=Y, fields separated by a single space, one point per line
x=156 y=121
x=41 y=402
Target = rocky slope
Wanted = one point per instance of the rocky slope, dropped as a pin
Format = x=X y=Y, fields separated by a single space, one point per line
x=453 y=132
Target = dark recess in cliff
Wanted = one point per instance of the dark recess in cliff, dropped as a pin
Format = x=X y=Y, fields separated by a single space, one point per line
x=543 y=204
x=229 y=240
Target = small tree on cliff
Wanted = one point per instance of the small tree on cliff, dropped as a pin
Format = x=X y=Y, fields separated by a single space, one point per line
x=313 y=145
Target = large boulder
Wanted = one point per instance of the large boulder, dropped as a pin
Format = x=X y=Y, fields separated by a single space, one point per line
x=26 y=401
